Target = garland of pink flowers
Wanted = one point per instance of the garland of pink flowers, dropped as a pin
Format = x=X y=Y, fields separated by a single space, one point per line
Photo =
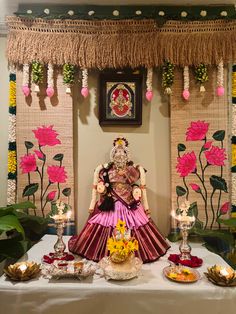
x=208 y=155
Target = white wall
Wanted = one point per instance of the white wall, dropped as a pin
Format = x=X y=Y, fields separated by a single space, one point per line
x=4 y=79
x=149 y=146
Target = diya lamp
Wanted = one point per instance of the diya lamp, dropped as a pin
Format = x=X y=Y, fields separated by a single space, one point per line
x=22 y=271
x=221 y=276
x=60 y=221
x=185 y=223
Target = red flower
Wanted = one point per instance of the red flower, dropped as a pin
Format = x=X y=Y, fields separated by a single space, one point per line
x=216 y=156
x=224 y=208
x=195 y=187
x=186 y=164
x=51 y=196
x=28 y=163
x=57 y=174
x=197 y=131
x=46 y=136
x=39 y=154
x=207 y=145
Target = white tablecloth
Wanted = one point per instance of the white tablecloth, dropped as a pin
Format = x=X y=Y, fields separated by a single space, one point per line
x=150 y=293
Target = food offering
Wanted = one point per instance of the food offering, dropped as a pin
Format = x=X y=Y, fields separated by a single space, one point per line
x=181 y=274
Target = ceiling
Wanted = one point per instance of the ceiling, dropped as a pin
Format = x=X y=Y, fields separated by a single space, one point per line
x=8 y=7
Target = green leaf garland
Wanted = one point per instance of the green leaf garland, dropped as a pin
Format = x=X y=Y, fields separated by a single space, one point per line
x=37 y=72
x=168 y=76
x=201 y=75
x=68 y=74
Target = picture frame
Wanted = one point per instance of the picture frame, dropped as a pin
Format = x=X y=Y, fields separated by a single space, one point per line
x=120 y=97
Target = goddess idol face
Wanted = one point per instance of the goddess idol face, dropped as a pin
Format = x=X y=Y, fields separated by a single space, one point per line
x=120 y=157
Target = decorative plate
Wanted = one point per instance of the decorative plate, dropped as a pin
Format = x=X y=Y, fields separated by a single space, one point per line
x=120 y=271
x=181 y=274
x=69 y=269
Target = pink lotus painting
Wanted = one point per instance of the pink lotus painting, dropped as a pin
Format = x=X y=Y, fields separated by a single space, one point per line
x=53 y=172
x=193 y=165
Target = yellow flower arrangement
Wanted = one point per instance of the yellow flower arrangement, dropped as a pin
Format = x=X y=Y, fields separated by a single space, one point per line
x=12 y=161
x=12 y=94
x=233 y=84
x=233 y=155
x=120 y=245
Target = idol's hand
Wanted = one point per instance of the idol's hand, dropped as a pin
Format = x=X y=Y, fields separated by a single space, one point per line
x=91 y=210
x=148 y=213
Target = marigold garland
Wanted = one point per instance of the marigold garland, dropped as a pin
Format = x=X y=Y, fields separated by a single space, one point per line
x=84 y=89
x=186 y=93
x=168 y=76
x=220 y=79
x=201 y=76
x=149 y=92
x=12 y=158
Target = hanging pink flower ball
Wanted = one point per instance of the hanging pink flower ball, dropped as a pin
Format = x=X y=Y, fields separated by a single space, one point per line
x=220 y=91
x=186 y=94
x=149 y=95
x=26 y=90
x=85 y=92
x=50 y=91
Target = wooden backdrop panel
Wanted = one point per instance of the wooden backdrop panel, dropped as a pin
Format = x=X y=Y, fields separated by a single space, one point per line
x=39 y=110
x=204 y=107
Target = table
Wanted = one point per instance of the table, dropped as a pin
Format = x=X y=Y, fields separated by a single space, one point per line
x=150 y=293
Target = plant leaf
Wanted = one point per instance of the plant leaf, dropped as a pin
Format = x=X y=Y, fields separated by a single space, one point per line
x=219 y=135
x=174 y=236
x=11 y=222
x=58 y=157
x=181 y=147
x=23 y=205
x=180 y=191
x=29 y=145
x=66 y=192
x=30 y=189
x=12 y=248
x=218 y=183
x=231 y=222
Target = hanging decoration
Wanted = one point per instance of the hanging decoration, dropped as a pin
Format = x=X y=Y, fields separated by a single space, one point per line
x=149 y=92
x=168 y=76
x=201 y=76
x=37 y=74
x=84 y=90
x=186 y=93
x=220 y=79
x=25 y=83
x=233 y=142
x=12 y=161
x=68 y=76
x=50 y=89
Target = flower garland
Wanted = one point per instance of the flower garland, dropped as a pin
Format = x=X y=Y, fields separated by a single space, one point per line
x=186 y=93
x=149 y=93
x=84 y=90
x=201 y=76
x=168 y=76
x=12 y=161
x=68 y=76
x=25 y=83
x=50 y=88
x=37 y=74
x=233 y=143
x=220 y=79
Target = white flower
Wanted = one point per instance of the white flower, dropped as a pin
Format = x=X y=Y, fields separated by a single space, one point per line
x=70 y=12
x=138 y=12
x=223 y=13
x=29 y=11
x=46 y=11
x=161 y=13
x=184 y=13
x=116 y=13
x=91 y=13
x=203 y=13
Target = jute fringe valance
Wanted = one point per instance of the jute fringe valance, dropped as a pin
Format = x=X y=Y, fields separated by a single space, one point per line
x=106 y=43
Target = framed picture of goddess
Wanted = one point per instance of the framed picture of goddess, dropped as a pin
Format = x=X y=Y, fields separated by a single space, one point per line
x=120 y=101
